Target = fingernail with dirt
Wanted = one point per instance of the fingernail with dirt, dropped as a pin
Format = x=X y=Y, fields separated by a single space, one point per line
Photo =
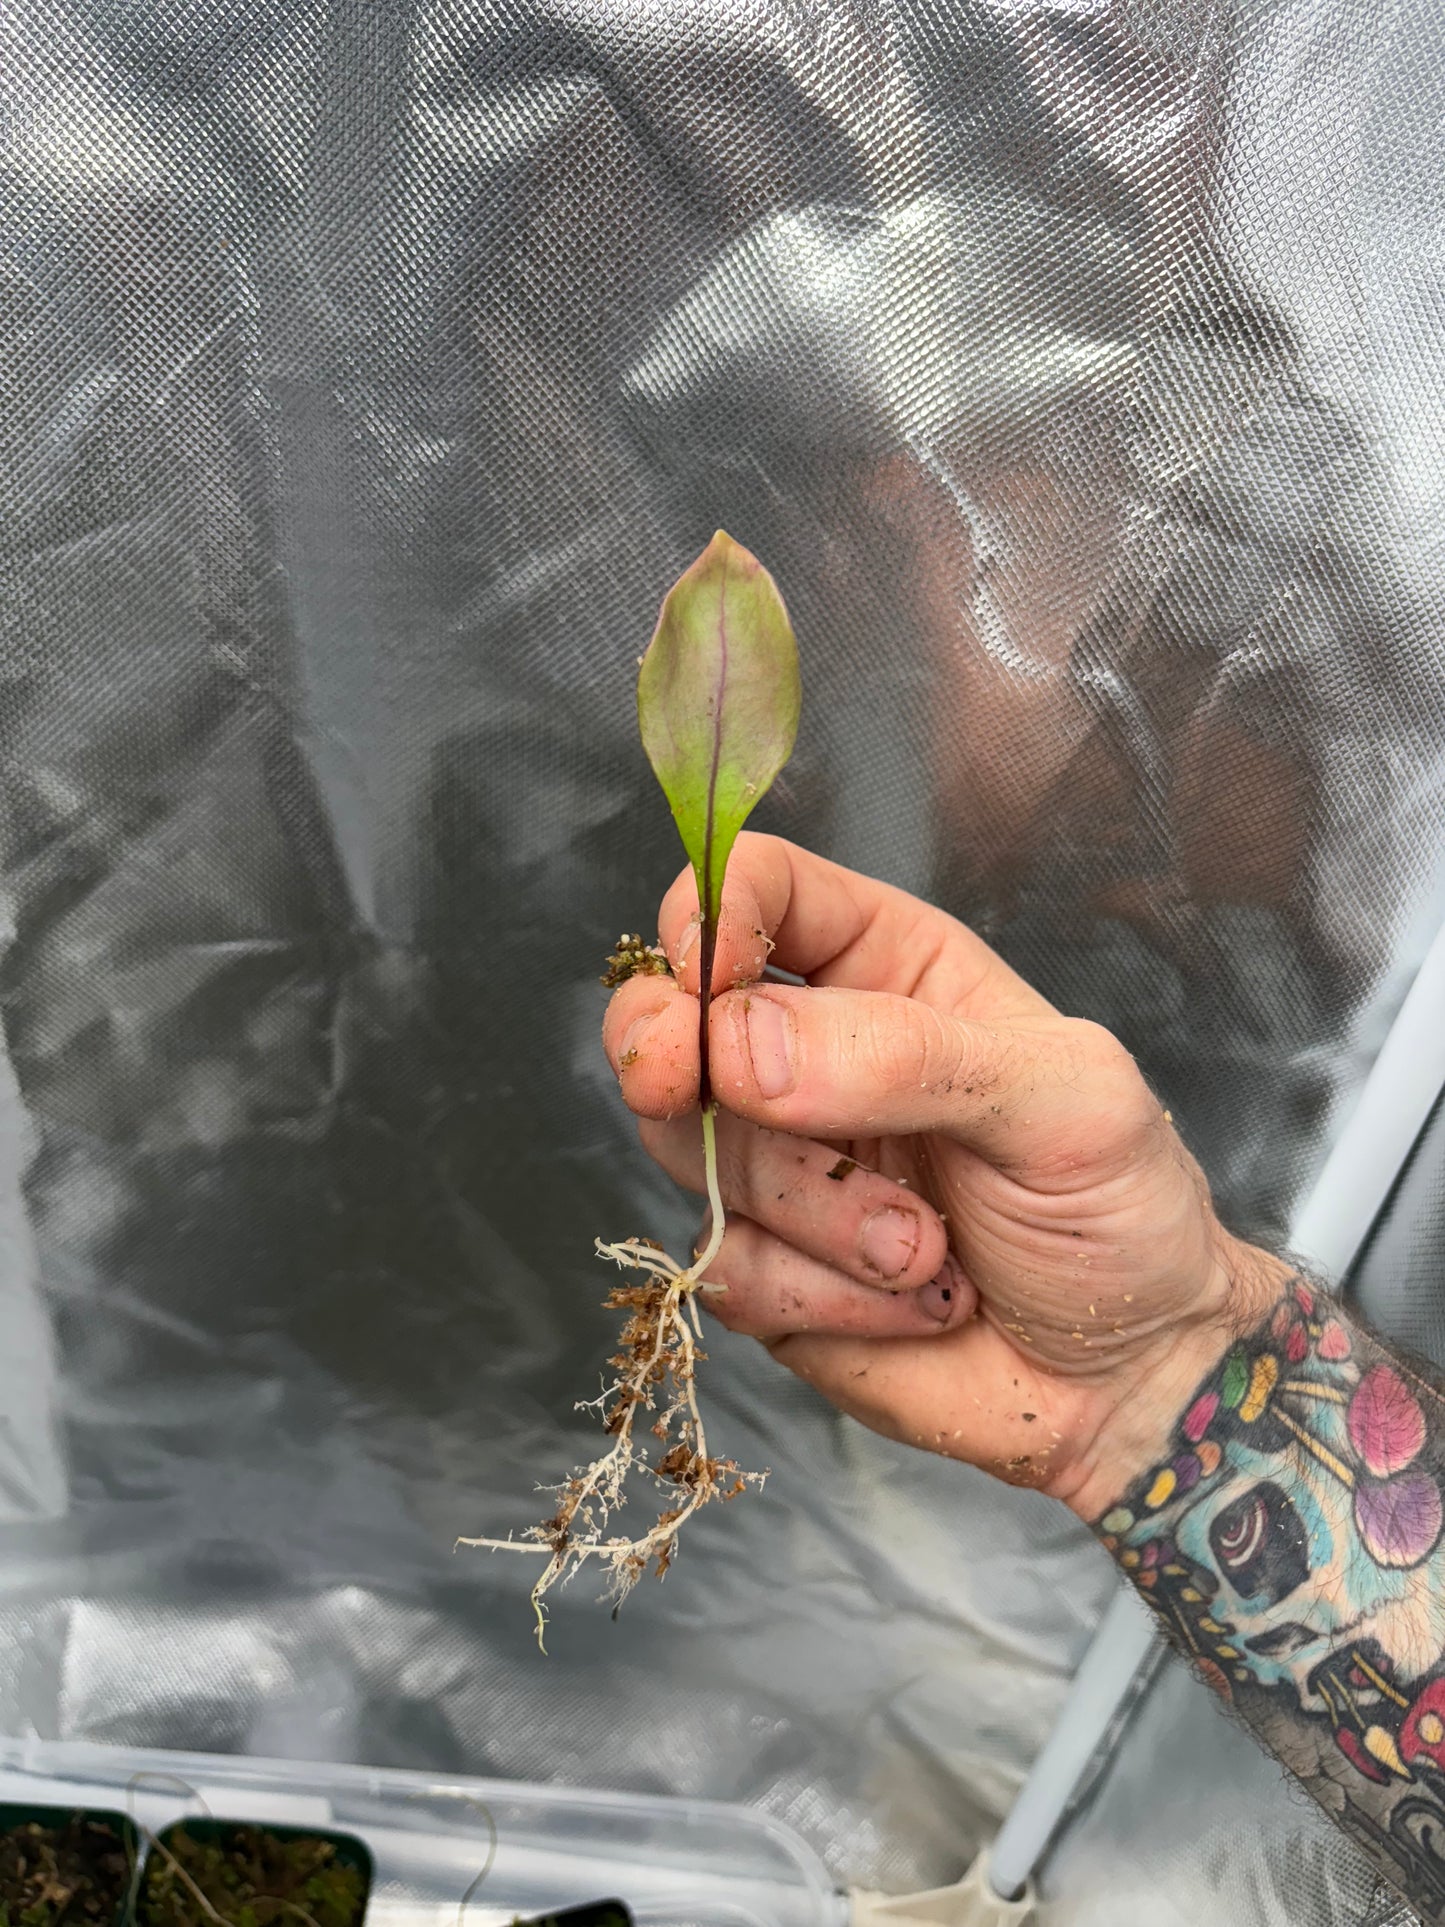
x=632 y=1038
x=948 y=1296
x=684 y=945
x=771 y=1046
x=888 y=1240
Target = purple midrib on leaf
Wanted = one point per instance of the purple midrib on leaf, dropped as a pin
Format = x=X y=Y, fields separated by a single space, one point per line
x=709 y=928
x=722 y=683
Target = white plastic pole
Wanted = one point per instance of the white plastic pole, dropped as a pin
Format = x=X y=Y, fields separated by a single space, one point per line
x=1125 y=1636
x=1393 y=1108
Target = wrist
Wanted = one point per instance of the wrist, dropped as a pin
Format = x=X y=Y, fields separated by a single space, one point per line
x=1143 y=1409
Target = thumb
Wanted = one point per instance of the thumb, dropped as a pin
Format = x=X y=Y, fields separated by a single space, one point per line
x=835 y=1063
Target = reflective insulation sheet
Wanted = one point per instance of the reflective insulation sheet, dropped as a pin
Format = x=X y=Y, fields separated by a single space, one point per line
x=370 y=367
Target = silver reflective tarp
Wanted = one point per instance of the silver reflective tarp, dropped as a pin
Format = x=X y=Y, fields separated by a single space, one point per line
x=370 y=367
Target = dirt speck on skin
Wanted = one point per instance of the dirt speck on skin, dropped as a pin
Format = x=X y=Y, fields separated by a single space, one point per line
x=842 y=1168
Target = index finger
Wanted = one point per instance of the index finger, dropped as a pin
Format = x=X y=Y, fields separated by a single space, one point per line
x=834 y=926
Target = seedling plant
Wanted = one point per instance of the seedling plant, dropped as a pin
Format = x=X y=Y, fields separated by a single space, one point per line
x=718 y=700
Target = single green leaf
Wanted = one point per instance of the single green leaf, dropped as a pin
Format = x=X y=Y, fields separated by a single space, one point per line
x=718 y=699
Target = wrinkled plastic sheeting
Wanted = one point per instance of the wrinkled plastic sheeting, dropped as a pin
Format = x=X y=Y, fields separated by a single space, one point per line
x=370 y=370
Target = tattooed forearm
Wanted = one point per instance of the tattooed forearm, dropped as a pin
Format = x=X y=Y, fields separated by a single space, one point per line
x=1290 y=1541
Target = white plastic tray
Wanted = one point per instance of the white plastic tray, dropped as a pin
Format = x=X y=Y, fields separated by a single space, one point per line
x=676 y=1863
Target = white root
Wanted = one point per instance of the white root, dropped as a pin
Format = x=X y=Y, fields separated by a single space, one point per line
x=657 y=1373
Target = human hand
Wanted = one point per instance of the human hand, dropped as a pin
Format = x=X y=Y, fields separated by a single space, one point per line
x=1020 y=1267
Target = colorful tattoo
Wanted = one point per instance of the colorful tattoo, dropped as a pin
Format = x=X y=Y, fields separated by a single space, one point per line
x=1291 y=1543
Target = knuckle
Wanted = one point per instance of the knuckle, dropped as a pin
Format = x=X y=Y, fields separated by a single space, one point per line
x=1095 y=1059
x=907 y=1050
x=1093 y=1045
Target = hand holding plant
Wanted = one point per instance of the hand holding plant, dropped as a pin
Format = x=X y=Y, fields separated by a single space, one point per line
x=961 y=1215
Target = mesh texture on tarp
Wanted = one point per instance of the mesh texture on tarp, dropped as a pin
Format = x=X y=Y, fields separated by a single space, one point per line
x=369 y=369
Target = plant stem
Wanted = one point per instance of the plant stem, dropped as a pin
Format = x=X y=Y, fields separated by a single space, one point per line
x=707 y=951
x=714 y=1196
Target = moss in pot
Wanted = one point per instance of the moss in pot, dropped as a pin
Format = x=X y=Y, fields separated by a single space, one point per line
x=65 y=1868
x=222 y=1873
